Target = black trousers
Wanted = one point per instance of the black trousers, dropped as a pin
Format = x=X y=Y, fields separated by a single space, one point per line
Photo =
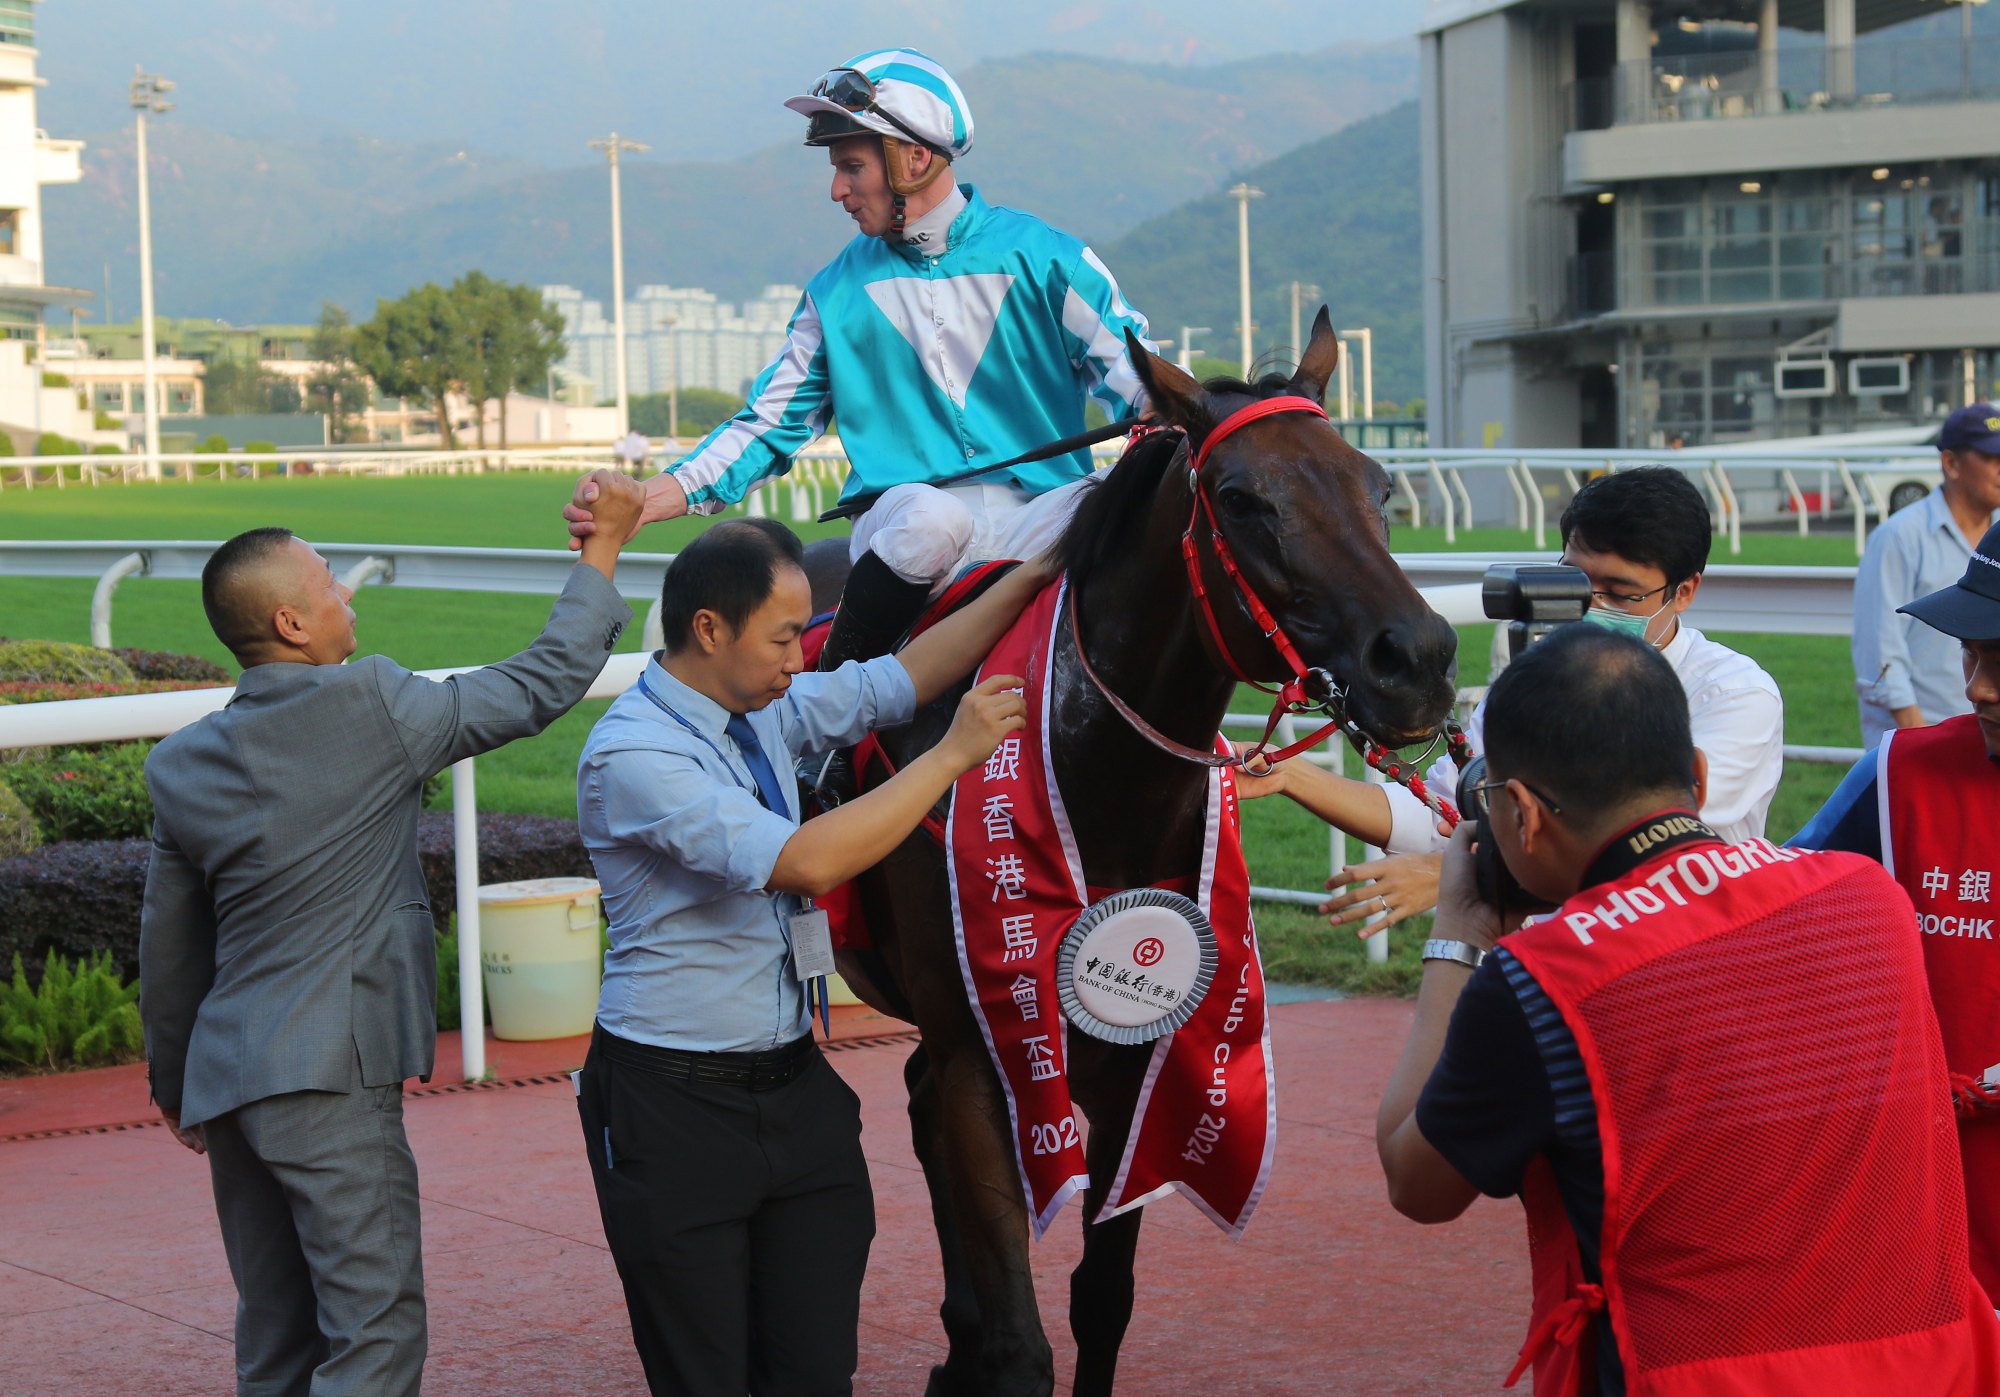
x=739 y=1216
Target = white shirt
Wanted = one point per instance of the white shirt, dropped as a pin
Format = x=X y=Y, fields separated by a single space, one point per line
x=1738 y=721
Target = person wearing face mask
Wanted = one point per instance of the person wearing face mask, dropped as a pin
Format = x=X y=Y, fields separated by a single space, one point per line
x=1922 y=804
x=1642 y=538
x=948 y=335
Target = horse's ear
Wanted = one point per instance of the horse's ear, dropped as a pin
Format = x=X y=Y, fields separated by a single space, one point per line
x=1176 y=397
x=1317 y=364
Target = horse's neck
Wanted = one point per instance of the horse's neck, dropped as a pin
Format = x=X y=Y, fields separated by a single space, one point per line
x=1138 y=812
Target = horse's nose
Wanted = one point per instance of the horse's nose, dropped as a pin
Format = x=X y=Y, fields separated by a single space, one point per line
x=1410 y=653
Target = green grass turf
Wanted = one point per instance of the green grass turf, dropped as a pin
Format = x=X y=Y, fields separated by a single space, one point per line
x=1287 y=848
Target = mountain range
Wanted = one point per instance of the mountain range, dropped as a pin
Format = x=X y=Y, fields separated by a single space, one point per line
x=1340 y=213
x=249 y=230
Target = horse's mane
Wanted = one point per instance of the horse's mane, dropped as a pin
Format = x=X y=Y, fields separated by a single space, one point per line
x=1116 y=501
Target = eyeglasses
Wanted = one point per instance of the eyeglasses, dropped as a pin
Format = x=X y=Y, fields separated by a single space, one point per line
x=1622 y=600
x=854 y=91
x=1473 y=799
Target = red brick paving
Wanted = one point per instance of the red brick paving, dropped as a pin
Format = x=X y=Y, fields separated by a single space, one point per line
x=112 y=1279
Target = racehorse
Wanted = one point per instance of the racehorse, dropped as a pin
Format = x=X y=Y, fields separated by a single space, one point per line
x=1303 y=514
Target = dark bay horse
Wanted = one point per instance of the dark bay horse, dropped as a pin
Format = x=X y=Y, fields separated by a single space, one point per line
x=1303 y=514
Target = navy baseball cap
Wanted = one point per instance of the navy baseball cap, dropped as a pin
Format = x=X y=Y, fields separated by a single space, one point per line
x=1975 y=428
x=1969 y=609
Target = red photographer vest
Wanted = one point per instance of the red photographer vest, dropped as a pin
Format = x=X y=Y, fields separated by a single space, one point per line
x=1782 y=1206
x=1940 y=797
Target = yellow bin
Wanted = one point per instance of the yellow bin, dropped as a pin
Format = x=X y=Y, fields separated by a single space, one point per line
x=539 y=949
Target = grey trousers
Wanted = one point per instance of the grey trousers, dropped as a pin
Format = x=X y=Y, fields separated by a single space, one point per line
x=316 y=1192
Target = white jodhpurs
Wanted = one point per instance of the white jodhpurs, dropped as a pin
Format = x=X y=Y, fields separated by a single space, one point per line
x=926 y=534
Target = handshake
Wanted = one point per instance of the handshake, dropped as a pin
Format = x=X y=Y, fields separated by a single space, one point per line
x=607 y=509
x=585 y=512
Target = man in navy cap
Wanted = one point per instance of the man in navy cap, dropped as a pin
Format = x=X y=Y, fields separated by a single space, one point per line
x=1923 y=804
x=1905 y=674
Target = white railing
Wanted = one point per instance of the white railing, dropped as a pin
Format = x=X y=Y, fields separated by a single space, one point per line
x=1430 y=481
x=1810 y=601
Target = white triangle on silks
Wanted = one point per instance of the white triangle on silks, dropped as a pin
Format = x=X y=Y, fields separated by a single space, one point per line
x=947 y=320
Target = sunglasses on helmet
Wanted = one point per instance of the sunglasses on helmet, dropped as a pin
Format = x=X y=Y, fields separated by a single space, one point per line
x=854 y=91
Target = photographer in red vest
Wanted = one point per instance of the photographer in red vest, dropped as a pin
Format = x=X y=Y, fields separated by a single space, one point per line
x=1712 y=1073
x=1937 y=789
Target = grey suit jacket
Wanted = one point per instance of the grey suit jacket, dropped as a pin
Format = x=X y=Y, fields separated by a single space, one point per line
x=286 y=929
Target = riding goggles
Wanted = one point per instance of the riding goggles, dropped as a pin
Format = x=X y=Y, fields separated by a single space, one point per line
x=854 y=91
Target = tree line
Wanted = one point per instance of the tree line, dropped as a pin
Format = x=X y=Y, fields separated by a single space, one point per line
x=478 y=338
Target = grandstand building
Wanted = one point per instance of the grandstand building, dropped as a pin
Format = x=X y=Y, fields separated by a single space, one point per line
x=1702 y=221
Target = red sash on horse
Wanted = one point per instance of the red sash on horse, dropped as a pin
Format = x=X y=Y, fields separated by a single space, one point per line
x=1206 y=1120
x=1940 y=793
x=1782 y=1209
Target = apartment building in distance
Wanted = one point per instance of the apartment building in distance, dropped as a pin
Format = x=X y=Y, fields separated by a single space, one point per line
x=674 y=333
x=1694 y=222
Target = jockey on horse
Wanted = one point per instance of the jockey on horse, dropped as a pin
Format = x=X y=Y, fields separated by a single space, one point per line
x=949 y=335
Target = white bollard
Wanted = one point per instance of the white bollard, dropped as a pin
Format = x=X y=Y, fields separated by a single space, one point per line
x=100 y=600
x=465 y=863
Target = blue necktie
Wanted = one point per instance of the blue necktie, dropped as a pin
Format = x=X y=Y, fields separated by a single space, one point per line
x=745 y=737
x=773 y=795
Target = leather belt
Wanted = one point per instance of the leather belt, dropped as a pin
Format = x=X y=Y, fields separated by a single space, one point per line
x=764 y=1071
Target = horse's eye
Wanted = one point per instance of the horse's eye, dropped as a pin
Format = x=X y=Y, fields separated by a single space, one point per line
x=1235 y=503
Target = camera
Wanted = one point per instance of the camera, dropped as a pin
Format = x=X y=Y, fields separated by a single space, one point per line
x=1533 y=599
x=1491 y=877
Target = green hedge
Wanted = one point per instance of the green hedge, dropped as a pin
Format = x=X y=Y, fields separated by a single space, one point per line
x=87 y=793
x=19 y=834
x=55 y=662
x=83 y=896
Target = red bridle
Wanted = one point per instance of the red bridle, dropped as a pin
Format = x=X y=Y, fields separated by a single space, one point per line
x=1310 y=689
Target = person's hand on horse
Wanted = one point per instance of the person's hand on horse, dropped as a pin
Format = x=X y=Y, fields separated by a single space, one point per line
x=1383 y=892
x=986 y=715
x=1043 y=569
x=1257 y=776
x=662 y=497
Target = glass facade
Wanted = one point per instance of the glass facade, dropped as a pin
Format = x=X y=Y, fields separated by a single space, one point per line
x=17 y=22
x=1818 y=236
x=1703 y=392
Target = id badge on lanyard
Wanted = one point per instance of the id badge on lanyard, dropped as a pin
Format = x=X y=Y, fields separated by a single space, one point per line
x=807 y=930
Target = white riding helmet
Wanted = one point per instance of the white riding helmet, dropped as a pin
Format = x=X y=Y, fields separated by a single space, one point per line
x=899 y=94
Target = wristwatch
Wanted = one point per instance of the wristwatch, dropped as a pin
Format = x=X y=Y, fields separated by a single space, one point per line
x=1463 y=952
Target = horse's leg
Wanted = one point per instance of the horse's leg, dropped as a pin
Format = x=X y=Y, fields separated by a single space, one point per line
x=1106 y=1082
x=960 y=1310
x=985 y=1223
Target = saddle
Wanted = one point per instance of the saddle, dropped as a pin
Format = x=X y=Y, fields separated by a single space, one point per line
x=870 y=764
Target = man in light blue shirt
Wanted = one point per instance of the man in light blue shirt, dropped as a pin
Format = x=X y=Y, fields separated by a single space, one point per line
x=1907 y=675
x=725 y=1151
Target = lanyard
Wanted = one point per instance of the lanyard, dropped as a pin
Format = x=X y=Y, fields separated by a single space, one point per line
x=783 y=905
x=751 y=785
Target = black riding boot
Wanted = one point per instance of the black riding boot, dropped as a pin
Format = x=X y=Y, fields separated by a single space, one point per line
x=876 y=608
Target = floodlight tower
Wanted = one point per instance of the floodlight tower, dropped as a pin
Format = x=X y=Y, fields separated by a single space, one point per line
x=148 y=95
x=1243 y=194
x=613 y=146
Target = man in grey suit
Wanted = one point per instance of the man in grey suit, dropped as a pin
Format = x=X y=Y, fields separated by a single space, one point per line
x=287 y=948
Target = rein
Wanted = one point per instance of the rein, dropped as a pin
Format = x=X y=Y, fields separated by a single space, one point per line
x=1309 y=690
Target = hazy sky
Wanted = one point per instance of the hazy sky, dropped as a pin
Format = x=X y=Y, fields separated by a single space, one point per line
x=696 y=80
